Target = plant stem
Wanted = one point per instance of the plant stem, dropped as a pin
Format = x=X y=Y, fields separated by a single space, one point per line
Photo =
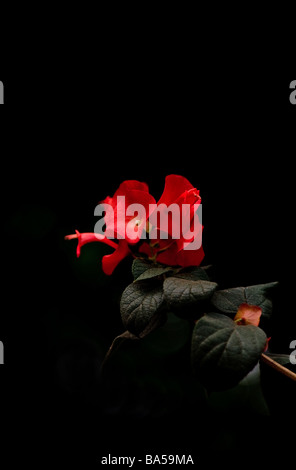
x=116 y=344
x=275 y=365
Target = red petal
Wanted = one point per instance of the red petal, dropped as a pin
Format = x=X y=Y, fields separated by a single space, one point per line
x=174 y=186
x=169 y=256
x=124 y=188
x=145 y=248
x=84 y=238
x=130 y=185
x=174 y=255
x=118 y=225
x=187 y=258
x=178 y=191
x=109 y=262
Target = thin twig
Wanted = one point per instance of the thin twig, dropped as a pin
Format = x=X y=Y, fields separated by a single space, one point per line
x=275 y=365
x=116 y=344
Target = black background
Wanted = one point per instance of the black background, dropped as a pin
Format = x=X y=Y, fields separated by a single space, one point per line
x=68 y=139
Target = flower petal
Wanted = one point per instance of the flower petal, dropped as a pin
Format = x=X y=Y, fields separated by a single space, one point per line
x=116 y=222
x=185 y=200
x=84 y=238
x=186 y=258
x=175 y=186
x=110 y=262
x=130 y=185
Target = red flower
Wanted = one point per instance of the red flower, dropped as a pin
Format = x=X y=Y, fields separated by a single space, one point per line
x=126 y=218
x=178 y=190
x=110 y=262
x=125 y=226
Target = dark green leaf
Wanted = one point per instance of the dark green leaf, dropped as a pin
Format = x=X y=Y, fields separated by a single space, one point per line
x=180 y=292
x=229 y=300
x=141 y=307
x=283 y=359
x=143 y=270
x=193 y=274
x=139 y=267
x=153 y=272
x=223 y=353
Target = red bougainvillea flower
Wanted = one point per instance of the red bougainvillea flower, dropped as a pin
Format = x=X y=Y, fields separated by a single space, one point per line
x=122 y=224
x=248 y=315
x=178 y=190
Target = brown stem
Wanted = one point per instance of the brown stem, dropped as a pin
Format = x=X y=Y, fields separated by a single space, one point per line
x=116 y=344
x=275 y=365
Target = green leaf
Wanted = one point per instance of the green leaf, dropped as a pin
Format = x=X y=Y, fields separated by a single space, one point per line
x=153 y=272
x=283 y=359
x=141 y=307
x=229 y=300
x=143 y=270
x=194 y=274
x=222 y=352
x=139 y=267
x=180 y=292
